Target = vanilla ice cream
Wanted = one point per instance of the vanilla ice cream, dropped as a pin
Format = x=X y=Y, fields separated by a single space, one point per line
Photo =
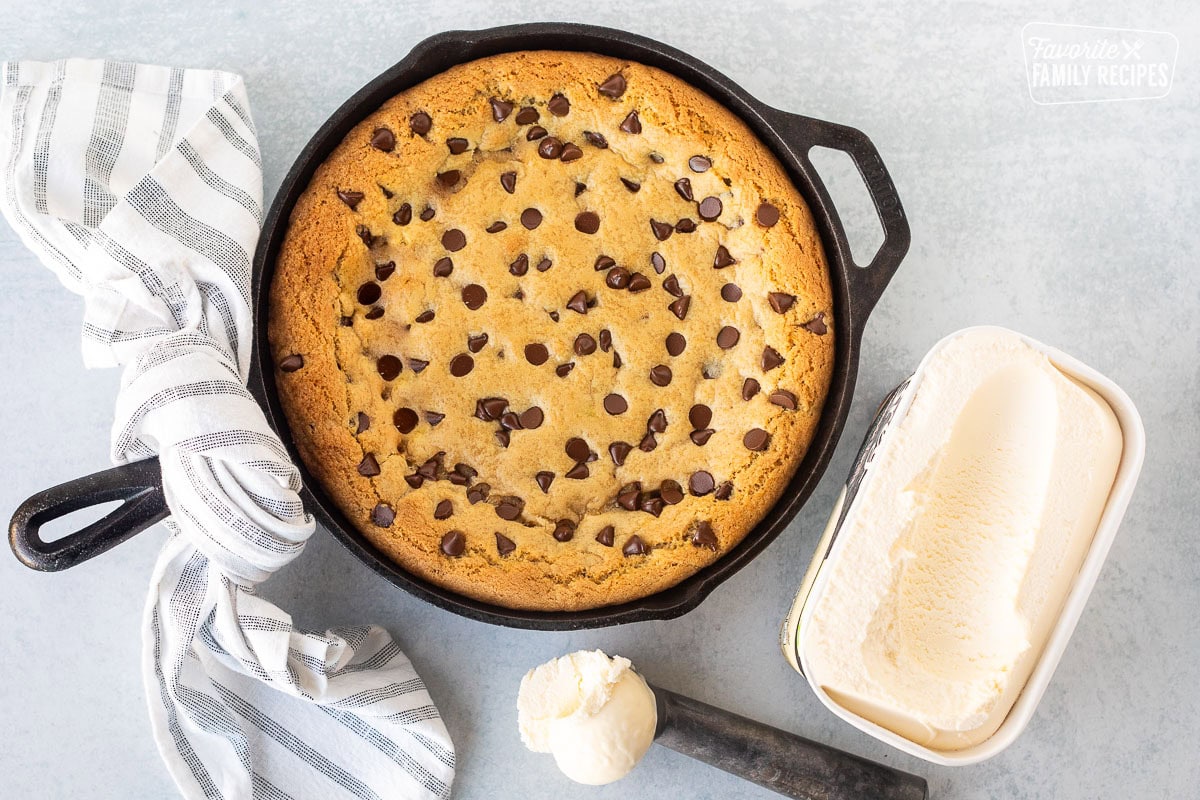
x=978 y=508
x=594 y=713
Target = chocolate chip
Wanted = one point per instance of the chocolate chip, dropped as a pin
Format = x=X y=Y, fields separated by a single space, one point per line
x=617 y=278
x=635 y=546
x=496 y=227
x=619 y=451
x=675 y=343
x=632 y=186
x=500 y=109
x=595 y=139
x=368 y=467
x=382 y=515
x=383 y=139
x=671 y=285
x=374 y=313
x=564 y=530
x=749 y=388
x=699 y=163
x=510 y=508
x=630 y=496
x=577 y=449
x=683 y=187
x=544 y=265
x=660 y=375
x=616 y=360
x=365 y=234
x=443 y=267
x=658 y=262
x=647 y=443
x=780 y=301
x=461 y=364
x=489 y=409
x=577 y=472
x=466 y=470
x=657 y=422
x=703 y=536
x=632 y=123
x=474 y=296
x=579 y=188
x=363 y=423
x=457 y=145
x=427 y=213
x=346 y=322
x=509 y=421
x=571 y=152
x=403 y=215
x=709 y=209
x=723 y=259
x=613 y=86
x=562 y=370
x=531 y=218
x=454 y=543
x=756 y=439
x=656 y=158
x=388 y=193
x=680 y=307
x=770 y=358
x=420 y=123
x=414 y=481
x=605 y=340
x=652 y=504
x=615 y=404
x=520 y=265
x=816 y=325
x=559 y=105
x=701 y=483
x=585 y=345
x=351 y=199
x=578 y=302
x=662 y=230
x=443 y=510
x=701 y=437
x=476 y=343
x=671 y=492
x=700 y=415
x=685 y=225
x=550 y=147
x=536 y=354
x=783 y=399
x=767 y=215
x=727 y=337
x=544 y=479
x=509 y=181
x=535 y=133
x=527 y=116
x=587 y=222
x=478 y=493
x=291 y=363
x=605 y=536
x=389 y=367
x=504 y=545
x=454 y=240
x=604 y=262
x=384 y=271
x=724 y=491
x=433 y=418
x=405 y=419
x=639 y=282
x=532 y=418
x=432 y=466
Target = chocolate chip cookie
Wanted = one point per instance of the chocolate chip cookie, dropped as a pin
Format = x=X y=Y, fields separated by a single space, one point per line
x=553 y=330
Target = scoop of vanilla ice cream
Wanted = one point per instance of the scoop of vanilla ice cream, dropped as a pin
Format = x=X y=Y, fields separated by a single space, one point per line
x=593 y=713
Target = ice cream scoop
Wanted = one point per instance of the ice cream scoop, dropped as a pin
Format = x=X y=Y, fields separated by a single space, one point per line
x=598 y=717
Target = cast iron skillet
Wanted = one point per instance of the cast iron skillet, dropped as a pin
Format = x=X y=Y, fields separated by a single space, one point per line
x=791 y=136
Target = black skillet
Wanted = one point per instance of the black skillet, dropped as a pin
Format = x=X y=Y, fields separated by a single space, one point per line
x=791 y=136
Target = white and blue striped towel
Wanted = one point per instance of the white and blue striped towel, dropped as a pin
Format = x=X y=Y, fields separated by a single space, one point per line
x=141 y=188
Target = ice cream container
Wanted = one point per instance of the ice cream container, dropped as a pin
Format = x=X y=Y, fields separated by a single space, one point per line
x=840 y=551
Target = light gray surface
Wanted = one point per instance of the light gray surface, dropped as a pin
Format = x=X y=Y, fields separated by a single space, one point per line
x=1074 y=224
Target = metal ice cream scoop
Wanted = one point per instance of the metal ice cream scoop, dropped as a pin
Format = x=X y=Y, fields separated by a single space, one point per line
x=783 y=762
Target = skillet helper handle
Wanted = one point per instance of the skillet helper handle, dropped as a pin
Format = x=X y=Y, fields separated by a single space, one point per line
x=780 y=761
x=867 y=281
x=138 y=484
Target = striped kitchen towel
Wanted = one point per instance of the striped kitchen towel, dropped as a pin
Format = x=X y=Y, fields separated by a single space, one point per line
x=141 y=188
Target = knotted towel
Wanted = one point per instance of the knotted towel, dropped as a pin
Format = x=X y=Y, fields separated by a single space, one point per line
x=141 y=188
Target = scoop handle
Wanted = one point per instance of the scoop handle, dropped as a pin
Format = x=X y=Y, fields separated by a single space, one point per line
x=778 y=760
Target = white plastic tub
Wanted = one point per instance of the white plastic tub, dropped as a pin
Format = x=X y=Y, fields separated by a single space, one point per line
x=893 y=409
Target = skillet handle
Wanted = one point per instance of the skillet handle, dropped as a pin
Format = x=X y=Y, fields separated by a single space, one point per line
x=139 y=484
x=867 y=281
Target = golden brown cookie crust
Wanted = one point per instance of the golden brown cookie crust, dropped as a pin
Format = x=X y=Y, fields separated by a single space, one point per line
x=332 y=249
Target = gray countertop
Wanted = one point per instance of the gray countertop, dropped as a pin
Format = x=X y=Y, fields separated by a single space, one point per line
x=1076 y=224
